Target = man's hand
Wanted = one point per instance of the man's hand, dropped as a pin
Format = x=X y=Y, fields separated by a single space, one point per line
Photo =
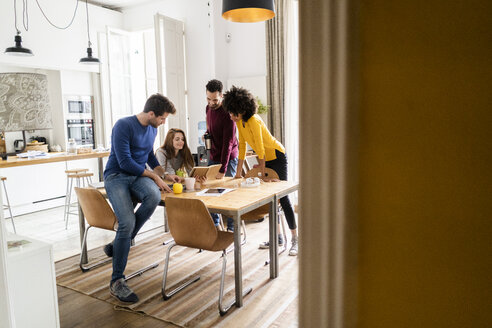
x=238 y=175
x=220 y=175
x=162 y=185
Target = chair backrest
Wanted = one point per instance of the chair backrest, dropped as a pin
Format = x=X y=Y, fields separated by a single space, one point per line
x=96 y=209
x=269 y=173
x=190 y=223
x=260 y=212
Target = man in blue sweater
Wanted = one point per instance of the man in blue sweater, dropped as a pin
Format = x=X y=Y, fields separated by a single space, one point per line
x=126 y=178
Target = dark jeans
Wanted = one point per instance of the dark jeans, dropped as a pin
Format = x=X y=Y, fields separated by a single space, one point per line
x=231 y=172
x=279 y=165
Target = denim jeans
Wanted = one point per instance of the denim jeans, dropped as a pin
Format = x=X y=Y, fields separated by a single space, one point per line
x=121 y=189
x=231 y=172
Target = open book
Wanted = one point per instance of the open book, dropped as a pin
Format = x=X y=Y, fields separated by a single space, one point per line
x=205 y=171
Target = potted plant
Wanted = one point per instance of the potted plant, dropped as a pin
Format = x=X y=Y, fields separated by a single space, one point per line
x=262 y=109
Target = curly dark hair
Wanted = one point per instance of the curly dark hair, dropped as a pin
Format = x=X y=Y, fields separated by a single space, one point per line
x=240 y=101
x=159 y=104
x=214 y=85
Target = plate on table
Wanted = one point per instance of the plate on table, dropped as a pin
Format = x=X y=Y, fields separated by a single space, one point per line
x=35 y=143
x=250 y=185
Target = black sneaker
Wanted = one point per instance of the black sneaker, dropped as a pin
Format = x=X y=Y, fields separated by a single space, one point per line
x=266 y=244
x=108 y=249
x=121 y=291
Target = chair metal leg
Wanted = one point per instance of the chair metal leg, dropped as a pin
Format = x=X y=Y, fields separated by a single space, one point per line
x=87 y=267
x=281 y=214
x=66 y=199
x=141 y=271
x=164 y=277
x=8 y=204
x=224 y=309
x=69 y=195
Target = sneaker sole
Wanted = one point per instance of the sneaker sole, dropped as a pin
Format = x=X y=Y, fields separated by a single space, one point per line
x=128 y=302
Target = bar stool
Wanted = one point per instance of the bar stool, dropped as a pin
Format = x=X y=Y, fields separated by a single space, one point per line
x=82 y=179
x=8 y=202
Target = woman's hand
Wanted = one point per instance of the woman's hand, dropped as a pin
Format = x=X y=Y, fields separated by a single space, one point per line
x=173 y=177
x=238 y=175
x=201 y=179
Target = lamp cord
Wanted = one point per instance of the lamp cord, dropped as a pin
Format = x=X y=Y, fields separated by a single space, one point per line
x=87 y=14
x=58 y=27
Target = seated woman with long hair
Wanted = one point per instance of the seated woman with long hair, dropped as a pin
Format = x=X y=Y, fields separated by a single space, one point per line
x=175 y=155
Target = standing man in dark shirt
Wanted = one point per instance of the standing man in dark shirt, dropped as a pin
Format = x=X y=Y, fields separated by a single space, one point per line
x=224 y=141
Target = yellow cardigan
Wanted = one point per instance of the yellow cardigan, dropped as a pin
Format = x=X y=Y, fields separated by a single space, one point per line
x=256 y=134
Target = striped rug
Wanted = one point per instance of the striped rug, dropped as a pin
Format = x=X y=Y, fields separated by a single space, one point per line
x=272 y=303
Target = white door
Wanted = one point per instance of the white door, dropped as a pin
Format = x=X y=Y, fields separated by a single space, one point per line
x=171 y=79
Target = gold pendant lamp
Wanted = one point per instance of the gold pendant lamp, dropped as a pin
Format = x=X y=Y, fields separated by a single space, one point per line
x=248 y=11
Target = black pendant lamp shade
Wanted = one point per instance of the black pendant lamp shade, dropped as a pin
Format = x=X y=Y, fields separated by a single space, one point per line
x=248 y=11
x=89 y=59
x=18 y=49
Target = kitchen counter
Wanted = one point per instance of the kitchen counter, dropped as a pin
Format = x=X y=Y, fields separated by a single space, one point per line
x=35 y=184
x=14 y=161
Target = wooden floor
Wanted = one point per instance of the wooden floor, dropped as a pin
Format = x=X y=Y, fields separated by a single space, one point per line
x=80 y=310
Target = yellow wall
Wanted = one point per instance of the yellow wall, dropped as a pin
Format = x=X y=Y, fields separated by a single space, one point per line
x=425 y=177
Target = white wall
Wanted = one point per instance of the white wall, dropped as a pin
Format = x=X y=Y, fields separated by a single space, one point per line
x=245 y=54
x=54 y=48
x=208 y=55
x=199 y=48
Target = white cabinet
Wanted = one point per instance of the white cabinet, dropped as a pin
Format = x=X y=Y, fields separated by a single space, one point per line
x=32 y=282
x=40 y=186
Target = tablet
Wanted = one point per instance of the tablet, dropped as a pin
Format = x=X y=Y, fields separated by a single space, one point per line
x=206 y=171
x=215 y=191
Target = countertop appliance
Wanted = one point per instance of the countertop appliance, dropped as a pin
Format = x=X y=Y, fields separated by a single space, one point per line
x=19 y=145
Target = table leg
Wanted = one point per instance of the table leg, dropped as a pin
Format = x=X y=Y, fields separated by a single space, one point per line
x=273 y=225
x=100 y=167
x=82 y=230
x=238 y=273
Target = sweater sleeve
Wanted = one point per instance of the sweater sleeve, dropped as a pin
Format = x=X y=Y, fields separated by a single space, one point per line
x=242 y=144
x=255 y=128
x=121 y=146
x=166 y=165
x=152 y=160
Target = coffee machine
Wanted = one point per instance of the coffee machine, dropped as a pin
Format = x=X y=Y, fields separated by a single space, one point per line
x=202 y=156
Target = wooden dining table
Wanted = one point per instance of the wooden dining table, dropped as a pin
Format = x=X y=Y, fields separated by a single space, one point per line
x=234 y=204
x=238 y=202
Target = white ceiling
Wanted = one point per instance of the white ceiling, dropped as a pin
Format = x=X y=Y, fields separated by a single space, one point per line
x=118 y=4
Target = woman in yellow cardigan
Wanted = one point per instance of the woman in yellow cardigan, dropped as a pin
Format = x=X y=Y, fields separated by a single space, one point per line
x=242 y=108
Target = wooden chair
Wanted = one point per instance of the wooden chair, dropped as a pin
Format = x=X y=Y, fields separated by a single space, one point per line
x=82 y=179
x=99 y=214
x=192 y=226
x=262 y=211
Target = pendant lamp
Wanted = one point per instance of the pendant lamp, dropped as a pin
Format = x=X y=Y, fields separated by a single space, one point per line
x=248 y=11
x=90 y=60
x=18 y=49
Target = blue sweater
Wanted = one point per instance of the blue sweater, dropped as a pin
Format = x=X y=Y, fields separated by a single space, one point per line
x=132 y=146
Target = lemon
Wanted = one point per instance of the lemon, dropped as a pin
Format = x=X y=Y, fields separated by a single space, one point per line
x=177 y=188
x=34 y=141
